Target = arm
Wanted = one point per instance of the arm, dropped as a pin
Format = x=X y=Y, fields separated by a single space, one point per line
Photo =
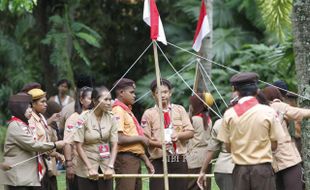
x=274 y=145
x=201 y=181
x=128 y=140
x=93 y=174
x=69 y=164
x=148 y=164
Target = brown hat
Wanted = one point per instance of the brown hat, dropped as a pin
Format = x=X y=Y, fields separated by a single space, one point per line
x=123 y=83
x=245 y=78
x=29 y=86
x=36 y=93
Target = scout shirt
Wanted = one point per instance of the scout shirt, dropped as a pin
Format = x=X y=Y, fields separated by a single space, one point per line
x=94 y=134
x=250 y=127
x=44 y=133
x=197 y=145
x=128 y=127
x=65 y=114
x=286 y=154
x=19 y=146
x=69 y=131
x=151 y=125
x=224 y=163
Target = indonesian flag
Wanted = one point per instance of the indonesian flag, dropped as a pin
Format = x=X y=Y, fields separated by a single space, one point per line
x=152 y=18
x=202 y=28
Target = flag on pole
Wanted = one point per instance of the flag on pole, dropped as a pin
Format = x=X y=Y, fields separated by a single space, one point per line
x=202 y=28
x=152 y=18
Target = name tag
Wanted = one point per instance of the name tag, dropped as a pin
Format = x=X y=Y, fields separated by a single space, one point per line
x=104 y=151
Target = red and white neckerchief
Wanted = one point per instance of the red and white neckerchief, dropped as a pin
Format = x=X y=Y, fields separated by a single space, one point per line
x=243 y=106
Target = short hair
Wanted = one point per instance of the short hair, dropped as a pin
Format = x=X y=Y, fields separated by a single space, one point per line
x=64 y=81
x=163 y=81
x=247 y=90
x=272 y=93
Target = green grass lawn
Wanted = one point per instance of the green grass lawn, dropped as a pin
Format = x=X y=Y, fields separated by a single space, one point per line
x=61 y=181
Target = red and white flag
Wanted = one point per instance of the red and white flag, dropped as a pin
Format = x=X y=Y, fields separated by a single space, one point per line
x=152 y=18
x=202 y=28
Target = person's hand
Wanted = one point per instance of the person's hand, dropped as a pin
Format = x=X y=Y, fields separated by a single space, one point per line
x=60 y=144
x=108 y=173
x=69 y=171
x=5 y=167
x=174 y=137
x=145 y=141
x=150 y=167
x=93 y=174
x=60 y=157
x=55 y=117
x=202 y=181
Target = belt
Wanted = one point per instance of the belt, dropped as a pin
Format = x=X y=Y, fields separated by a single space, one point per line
x=128 y=154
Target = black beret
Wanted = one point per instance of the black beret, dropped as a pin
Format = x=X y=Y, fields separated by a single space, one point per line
x=29 y=86
x=245 y=78
x=124 y=83
x=162 y=82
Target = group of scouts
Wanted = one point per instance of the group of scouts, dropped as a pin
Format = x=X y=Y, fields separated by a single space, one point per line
x=102 y=136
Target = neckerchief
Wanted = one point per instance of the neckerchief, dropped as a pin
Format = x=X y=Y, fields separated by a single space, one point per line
x=241 y=108
x=126 y=108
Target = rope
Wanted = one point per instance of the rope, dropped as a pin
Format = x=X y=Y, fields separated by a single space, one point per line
x=171 y=76
x=206 y=73
x=186 y=82
x=233 y=70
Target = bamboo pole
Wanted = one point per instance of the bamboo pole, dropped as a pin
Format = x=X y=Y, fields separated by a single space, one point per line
x=160 y=106
x=156 y=175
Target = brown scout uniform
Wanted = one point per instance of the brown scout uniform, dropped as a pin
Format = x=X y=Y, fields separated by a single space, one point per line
x=249 y=127
x=93 y=134
x=176 y=163
x=19 y=146
x=286 y=157
x=250 y=137
x=197 y=148
x=127 y=160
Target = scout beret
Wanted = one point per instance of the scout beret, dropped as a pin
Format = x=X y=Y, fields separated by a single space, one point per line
x=29 y=86
x=162 y=82
x=20 y=98
x=36 y=93
x=281 y=85
x=123 y=83
x=245 y=78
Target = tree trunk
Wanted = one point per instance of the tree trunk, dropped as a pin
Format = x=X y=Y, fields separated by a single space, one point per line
x=48 y=70
x=301 y=32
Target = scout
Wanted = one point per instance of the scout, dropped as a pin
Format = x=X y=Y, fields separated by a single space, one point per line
x=131 y=139
x=96 y=143
x=178 y=129
x=250 y=130
x=287 y=160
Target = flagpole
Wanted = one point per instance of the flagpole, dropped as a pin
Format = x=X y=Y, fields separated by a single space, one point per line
x=161 y=116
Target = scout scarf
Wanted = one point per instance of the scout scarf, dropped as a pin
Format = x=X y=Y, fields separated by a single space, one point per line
x=41 y=169
x=126 y=108
x=167 y=123
x=241 y=108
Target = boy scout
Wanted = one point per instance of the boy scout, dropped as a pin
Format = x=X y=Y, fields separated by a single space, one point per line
x=176 y=120
x=249 y=130
x=131 y=139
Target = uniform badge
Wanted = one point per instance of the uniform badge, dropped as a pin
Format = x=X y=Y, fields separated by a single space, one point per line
x=143 y=123
x=79 y=124
x=70 y=127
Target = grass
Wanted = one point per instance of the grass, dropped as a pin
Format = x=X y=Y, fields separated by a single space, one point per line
x=61 y=181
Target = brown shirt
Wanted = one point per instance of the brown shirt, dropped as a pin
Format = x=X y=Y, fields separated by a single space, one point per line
x=19 y=146
x=224 y=163
x=151 y=125
x=251 y=133
x=197 y=146
x=286 y=154
x=93 y=134
x=69 y=132
x=127 y=127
